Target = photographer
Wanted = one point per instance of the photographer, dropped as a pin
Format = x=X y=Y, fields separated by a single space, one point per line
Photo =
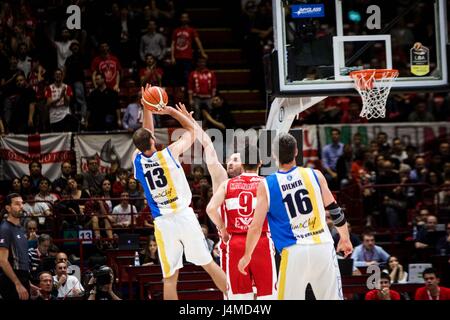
x=103 y=279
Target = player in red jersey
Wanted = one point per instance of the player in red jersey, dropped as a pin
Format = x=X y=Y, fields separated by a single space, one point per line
x=238 y=195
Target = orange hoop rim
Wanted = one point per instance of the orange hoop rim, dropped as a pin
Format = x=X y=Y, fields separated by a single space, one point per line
x=376 y=73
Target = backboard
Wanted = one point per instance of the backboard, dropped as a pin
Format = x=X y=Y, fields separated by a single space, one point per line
x=319 y=42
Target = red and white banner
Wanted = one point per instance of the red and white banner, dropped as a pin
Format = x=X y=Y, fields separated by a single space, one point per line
x=50 y=149
x=108 y=147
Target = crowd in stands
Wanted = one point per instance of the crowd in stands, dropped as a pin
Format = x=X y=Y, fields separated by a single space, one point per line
x=54 y=79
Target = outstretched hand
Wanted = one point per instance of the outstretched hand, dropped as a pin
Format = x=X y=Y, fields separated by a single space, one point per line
x=182 y=108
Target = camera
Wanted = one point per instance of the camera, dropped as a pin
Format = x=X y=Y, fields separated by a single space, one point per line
x=103 y=275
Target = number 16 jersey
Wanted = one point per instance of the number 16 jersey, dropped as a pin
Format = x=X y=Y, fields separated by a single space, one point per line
x=164 y=181
x=296 y=212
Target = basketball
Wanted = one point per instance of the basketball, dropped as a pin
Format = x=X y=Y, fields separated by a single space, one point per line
x=154 y=98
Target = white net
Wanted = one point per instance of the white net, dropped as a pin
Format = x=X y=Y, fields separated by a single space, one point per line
x=374 y=87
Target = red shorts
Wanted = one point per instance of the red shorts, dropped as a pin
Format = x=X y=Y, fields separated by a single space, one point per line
x=261 y=272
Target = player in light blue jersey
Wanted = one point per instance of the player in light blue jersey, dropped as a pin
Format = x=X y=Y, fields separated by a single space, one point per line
x=294 y=199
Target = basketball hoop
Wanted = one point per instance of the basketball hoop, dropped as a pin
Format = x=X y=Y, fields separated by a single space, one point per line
x=374 y=86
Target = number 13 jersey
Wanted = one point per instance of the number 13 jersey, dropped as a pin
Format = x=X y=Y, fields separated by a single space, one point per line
x=296 y=211
x=164 y=181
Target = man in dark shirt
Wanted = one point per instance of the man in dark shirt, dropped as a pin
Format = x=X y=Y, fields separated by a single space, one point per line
x=103 y=107
x=219 y=116
x=75 y=78
x=14 y=260
x=428 y=236
x=45 y=286
x=60 y=184
x=443 y=245
x=93 y=178
x=21 y=104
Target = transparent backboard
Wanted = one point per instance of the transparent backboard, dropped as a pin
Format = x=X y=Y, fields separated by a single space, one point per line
x=319 y=43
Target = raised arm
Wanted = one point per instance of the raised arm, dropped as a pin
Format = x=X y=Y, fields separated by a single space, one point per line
x=215 y=168
x=187 y=139
x=147 y=121
x=255 y=229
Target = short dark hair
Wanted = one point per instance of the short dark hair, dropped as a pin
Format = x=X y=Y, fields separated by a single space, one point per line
x=199 y=168
x=45 y=179
x=59 y=70
x=285 y=147
x=141 y=139
x=149 y=55
x=11 y=196
x=367 y=234
x=44 y=272
x=335 y=130
x=32 y=162
x=53 y=248
x=122 y=171
x=250 y=156
x=429 y=271
x=44 y=237
x=64 y=162
x=386 y=276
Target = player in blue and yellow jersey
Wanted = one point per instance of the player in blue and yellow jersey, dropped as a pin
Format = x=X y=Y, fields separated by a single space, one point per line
x=177 y=229
x=294 y=199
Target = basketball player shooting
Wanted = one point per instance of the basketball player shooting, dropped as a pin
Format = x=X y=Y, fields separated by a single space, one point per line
x=294 y=200
x=166 y=188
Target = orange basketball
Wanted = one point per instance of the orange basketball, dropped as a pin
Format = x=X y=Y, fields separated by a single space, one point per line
x=155 y=98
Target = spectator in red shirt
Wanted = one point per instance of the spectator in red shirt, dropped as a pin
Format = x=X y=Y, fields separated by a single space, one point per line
x=182 y=51
x=121 y=182
x=151 y=73
x=432 y=290
x=108 y=65
x=202 y=87
x=384 y=292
